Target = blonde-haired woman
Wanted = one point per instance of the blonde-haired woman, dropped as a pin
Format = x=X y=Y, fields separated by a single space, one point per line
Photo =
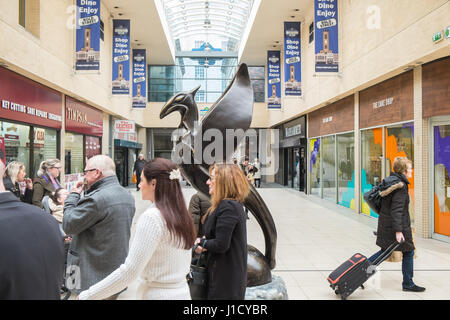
x=225 y=240
x=15 y=173
x=47 y=181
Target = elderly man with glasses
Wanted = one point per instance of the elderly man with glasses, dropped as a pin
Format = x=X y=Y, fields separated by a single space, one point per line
x=99 y=223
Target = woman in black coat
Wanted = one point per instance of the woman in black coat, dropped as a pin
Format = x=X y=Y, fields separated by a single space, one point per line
x=225 y=240
x=394 y=223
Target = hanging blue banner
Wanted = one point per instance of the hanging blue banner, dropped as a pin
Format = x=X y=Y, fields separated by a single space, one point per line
x=139 y=78
x=121 y=57
x=87 y=45
x=326 y=35
x=273 y=80
x=292 y=63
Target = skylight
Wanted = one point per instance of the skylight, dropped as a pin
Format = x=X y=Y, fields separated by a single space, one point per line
x=218 y=23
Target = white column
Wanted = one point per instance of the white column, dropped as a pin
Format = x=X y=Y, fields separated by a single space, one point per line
x=357 y=157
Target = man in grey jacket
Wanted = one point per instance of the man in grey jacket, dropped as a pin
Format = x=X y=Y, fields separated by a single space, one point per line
x=99 y=223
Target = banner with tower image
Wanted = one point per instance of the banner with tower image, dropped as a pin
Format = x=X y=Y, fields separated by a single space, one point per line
x=273 y=80
x=139 y=78
x=87 y=35
x=121 y=57
x=292 y=63
x=326 y=35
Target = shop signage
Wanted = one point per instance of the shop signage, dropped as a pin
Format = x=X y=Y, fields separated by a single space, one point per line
x=126 y=136
x=121 y=57
x=139 y=79
x=292 y=63
x=88 y=35
x=383 y=103
x=326 y=35
x=26 y=101
x=273 y=80
x=293 y=131
x=124 y=126
x=327 y=119
x=81 y=118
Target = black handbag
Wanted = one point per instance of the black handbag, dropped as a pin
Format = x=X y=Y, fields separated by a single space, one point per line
x=197 y=278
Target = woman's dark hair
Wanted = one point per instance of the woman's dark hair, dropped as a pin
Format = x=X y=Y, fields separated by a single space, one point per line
x=55 y=195
x=170 y=201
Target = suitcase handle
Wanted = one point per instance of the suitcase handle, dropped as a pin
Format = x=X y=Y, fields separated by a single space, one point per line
x=385 y=254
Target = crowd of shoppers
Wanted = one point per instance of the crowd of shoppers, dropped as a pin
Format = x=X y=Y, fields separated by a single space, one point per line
x=98 y=214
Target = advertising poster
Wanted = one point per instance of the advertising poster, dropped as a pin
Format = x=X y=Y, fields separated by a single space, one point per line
x=292 y=63
x=326 y=35
x=139 y=78
x=273 y=80
x=87 y=35
x=121 y=57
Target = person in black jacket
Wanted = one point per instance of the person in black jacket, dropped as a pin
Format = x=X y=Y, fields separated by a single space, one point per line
x=15 y=173
x=138 y=167
x=394 y=223
x=198 y=206
x=225 y=240
x=31 y=250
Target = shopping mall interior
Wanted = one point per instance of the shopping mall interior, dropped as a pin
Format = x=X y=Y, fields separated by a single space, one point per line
x=340 y=88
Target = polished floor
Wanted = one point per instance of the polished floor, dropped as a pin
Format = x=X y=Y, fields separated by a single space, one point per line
x=315 y=236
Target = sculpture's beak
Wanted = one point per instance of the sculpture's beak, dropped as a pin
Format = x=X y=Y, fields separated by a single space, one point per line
x=171 y=107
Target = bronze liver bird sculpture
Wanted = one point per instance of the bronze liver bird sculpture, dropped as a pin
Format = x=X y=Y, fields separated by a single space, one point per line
x=233 y=110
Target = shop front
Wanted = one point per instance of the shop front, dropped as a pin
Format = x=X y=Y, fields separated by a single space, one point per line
x=125 y=154
x=332 y=152
x=387 y=131
x=30 y=121
x=292 y=157
x=82 y=140
x=436 y=108
x=126 y=150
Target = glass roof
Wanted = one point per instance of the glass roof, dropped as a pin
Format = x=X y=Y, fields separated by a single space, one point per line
x=218 y=23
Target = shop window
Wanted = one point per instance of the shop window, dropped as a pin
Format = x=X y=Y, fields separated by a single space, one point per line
x=16 y=141
x=329 y=168
x=73 y=153
x=45 y=146
x=314 y=147
x=371 y=155
x=441 y=167
x=29 y=16
x=346 y=169
x=399 y=142
x=92 y=147
x=163 y=145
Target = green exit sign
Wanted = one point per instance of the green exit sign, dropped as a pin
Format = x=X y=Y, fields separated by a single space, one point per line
x=438 y=36
x=447 y=32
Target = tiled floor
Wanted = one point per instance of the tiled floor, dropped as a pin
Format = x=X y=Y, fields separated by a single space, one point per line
x=315 y=236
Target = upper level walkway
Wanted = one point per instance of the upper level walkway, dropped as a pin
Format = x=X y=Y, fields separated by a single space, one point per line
x=315 y=236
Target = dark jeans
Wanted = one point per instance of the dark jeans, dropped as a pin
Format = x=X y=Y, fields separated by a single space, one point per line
x=407 y=267
x=257 y=182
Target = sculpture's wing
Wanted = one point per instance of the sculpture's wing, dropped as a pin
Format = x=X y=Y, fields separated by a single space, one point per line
x=233 y=110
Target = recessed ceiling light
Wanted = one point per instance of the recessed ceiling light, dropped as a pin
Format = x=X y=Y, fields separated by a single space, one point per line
x=120 y=14
x=116 y=7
